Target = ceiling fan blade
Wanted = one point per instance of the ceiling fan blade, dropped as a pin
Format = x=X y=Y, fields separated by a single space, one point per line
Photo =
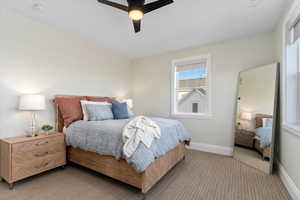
x=156 y=5
x=115 y=5
x=137 y=25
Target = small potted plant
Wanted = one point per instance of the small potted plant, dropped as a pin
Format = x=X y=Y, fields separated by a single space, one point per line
x=47 y=129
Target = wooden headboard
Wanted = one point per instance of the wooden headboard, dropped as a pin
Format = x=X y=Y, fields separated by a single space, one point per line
x=259 y=119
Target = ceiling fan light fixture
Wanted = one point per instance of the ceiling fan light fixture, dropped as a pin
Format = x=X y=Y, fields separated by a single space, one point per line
x=136 y=14
x=137 y=8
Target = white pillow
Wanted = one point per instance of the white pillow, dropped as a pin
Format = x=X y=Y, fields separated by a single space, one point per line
x=267 y=122
x=85 y=113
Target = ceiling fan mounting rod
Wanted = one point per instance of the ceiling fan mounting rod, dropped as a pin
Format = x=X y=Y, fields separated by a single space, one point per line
x=136 y=5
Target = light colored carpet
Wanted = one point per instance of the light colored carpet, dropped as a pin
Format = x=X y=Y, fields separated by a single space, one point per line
x=252 y=158
x=201 y=176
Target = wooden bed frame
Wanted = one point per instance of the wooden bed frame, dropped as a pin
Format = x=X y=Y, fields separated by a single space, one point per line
x=120 y=169
x=265 y=152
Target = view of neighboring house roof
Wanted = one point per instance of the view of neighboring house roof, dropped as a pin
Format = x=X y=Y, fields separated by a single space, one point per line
x=199 y=91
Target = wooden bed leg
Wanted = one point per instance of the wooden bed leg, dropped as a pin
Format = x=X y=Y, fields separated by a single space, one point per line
x=11 y=186
x=144 y=196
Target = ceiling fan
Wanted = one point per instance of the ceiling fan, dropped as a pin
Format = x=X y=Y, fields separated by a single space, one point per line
x=137 y=8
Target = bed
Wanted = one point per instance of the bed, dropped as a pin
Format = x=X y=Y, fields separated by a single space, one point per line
x=119 y=168
x=263 y=137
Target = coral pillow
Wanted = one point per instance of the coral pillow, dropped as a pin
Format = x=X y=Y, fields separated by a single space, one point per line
x=70 y=108
x=101 y=99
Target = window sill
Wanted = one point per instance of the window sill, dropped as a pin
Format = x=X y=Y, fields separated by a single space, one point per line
x=293 y=129
x=191 y=116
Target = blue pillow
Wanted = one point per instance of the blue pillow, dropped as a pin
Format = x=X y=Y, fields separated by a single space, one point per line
x=99 y=112
x=120 y=110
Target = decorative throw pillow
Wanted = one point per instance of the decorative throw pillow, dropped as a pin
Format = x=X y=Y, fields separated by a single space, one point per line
x=120 y=110
x=101 y=99
x=129 y=106
x=70 y=108
x=267 y=122
x=98 y=112
x=83 y=106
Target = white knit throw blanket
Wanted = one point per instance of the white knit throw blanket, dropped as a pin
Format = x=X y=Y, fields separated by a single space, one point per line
x=139 y=129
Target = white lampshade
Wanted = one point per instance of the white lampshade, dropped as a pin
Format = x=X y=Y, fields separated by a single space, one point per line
x=129 y=102
x=32 y=102
x=246 y=116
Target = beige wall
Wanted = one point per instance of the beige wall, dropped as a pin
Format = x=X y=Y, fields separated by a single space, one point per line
x=151 y=84
x=289 y=144
x=36 y=58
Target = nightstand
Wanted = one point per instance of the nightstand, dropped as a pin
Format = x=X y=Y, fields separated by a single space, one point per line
x=244 y=138
x=22 y=157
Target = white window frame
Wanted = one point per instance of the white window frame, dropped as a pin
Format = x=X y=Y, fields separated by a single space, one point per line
x=189 y=61
x=291 y=119
x=286 y=125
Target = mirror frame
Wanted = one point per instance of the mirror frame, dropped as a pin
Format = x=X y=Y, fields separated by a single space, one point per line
x=276 y=112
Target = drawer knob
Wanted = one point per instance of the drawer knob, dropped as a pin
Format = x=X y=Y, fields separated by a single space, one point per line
x=41 y=154
x=42 y=165
x=41 y=143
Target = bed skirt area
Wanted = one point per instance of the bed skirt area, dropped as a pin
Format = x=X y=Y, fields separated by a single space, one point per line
x=124 y=172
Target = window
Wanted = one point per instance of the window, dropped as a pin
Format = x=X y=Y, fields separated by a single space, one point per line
x=191 y=87
x=292 y=77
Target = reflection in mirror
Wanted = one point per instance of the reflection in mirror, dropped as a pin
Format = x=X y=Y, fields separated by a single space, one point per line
x=256 y=116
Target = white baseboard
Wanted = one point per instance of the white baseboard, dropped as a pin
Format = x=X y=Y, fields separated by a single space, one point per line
x=227 y=151
x=288 y=182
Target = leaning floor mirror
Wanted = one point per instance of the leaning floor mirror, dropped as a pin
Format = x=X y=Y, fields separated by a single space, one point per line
x=256 y=116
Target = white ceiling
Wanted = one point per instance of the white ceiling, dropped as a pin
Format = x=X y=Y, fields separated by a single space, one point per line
x=183 y=24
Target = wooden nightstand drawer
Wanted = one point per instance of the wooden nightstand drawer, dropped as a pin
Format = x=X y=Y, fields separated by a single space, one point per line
x=22 y=157
x=23 y=170
x=40 y=152
x=37 y=144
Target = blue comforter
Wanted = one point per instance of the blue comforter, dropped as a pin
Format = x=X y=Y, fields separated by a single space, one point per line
x=105 y=138
x=265 y=135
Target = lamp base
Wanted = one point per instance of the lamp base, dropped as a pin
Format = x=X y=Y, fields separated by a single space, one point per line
x=31 y=131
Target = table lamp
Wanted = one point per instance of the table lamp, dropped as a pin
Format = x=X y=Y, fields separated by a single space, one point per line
x=246 y=116
x=32 y=103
